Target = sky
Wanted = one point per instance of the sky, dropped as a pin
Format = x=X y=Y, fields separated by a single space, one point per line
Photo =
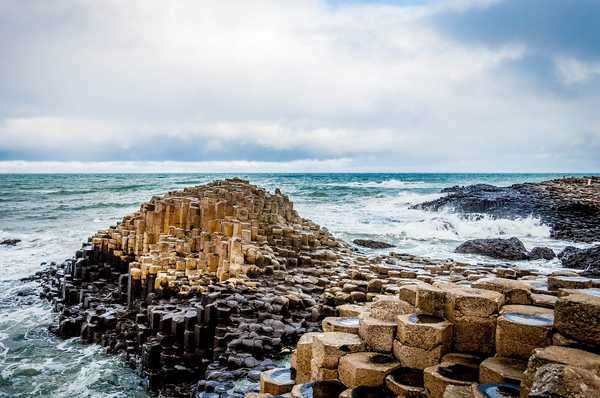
x=302 y=85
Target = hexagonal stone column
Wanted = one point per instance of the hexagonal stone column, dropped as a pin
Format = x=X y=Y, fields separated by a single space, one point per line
x=377 y=334
x=578 y=316
x=365 y=368
x=438 y=377
x=328 y=348
x=523 y=328
x=276 y=381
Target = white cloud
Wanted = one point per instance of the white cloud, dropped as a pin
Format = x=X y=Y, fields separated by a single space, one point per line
x=572 y=71
x=237 y=166
x=121 y=80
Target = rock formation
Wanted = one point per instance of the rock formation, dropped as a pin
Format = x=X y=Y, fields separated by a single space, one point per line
x=508 y=249
x=455 y=331
x=586 y=259
x=570 y=206
x=206 y=286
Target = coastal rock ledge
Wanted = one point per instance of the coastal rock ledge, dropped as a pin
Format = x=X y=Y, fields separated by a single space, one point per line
x=207 y=286
x=570 y=206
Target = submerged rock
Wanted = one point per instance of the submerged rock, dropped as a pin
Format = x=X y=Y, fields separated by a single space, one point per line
x=507 y=249
x=372 y=244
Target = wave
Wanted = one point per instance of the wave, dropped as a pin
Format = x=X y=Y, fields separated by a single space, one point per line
x=387 y=184
x=98 y=205
x=455 y=227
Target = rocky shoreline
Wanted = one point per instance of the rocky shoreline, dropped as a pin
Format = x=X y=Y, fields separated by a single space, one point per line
x=206 y=286
x=570 y=206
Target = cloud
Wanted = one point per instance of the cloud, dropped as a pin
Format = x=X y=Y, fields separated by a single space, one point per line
x=382 y=84
x=236 y=166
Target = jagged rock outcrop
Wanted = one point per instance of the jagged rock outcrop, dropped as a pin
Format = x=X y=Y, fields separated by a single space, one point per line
x=586 y=259
x=570 y=206
x=507 y=249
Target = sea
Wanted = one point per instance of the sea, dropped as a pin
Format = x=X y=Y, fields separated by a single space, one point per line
x=52 y=214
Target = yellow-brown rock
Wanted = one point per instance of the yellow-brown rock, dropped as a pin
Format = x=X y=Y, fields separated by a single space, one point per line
x=329 y=347
x=523 y=328
x=365 y=368
x=424 y=331
x=438 y=377
x=578 y=316
x=499 y=370
x=276 y=381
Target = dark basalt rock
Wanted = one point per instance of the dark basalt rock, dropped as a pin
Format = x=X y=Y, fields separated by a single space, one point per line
x=372 y=244
x=541 y=253
x=9 y=242
x=586 y=259
x=227 y=333
x=569 y=206
x=507 y=249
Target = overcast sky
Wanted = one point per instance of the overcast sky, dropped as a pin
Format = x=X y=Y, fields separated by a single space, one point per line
x=457 y=85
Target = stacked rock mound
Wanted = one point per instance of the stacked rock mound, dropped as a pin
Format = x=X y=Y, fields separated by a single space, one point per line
x=444 y=329
x=228 y=228
x=208 y=283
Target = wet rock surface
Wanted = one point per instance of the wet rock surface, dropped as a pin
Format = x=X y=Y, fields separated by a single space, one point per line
x=541 y=253
x=508 y=249
x=585 y=259
x=570 y=206
x=372 y=244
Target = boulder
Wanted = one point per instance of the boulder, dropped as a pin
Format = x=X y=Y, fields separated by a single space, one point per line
x=507 y=249
x=372 y=244
x=557 y=355
x=541 y=253
x=586 y=259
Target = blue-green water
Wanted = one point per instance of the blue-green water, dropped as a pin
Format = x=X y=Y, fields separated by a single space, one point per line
x=53 y=214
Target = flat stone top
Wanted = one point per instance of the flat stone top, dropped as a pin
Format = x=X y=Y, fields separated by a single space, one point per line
x=500 y=284
x=371 y=360
x=423 y=319
x=568 y=356
x=570 y=278
x=583 y=296
x=338 y=339
x=473 y=301
x=347 y=321
x=307 y=338
x=527 y=309
x=369 y=320
x=528 y=315
x=507 y=367
x=279 y=376
x=476 y=293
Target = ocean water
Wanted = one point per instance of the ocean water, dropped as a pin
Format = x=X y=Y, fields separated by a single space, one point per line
x=53 y=214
